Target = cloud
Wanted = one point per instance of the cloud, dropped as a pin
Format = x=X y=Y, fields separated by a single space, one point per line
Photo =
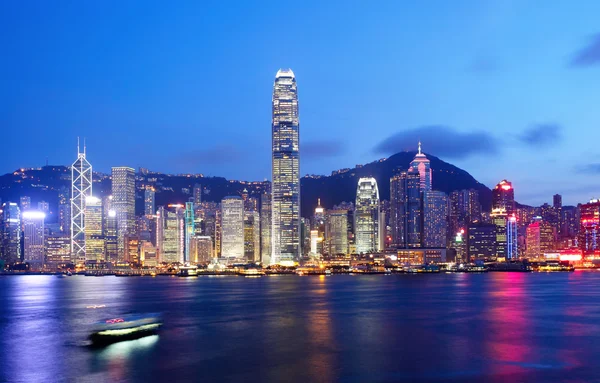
x=593 y=168
x=441 y=141
x=541 y=135
x=588 y=55
x=320 y=149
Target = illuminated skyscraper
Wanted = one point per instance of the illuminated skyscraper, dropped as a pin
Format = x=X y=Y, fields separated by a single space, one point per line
x=406 y=210
x=189 y=228
x=81 y=188
x=366 y=216
x=149 y=204
x=232 y=227
x=94 y=238
x=265 y=227
x=285 y=205
x=420 y=164
x=481 y=240
x=170 y=234
x=503 y=197
x=11 y=232
x=589 y=230
x=337 y=232
x=512 y=249
x=539 y=239
x=435 y=223
x=500 y=219
x=252 y=236
x=33 y=238
x=123 y=203
x=64 y=211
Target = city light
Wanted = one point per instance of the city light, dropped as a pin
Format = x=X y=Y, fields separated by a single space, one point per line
x=31 y=214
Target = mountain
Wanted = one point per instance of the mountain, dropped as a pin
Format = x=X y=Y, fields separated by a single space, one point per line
x=43 y=184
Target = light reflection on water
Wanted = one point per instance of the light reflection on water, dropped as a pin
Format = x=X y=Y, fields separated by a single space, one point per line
x=448 y=327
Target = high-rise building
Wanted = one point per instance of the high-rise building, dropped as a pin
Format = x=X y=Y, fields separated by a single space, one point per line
x=11 y=232
x=110 y=230
x=406 y=210
x=539 y=239
x=481 y=240
x=500 y=219
x=33 y=238
x=285 y=207
x=252 y=236
x=464 y=208
x=94 y=230
x=149 y=202
x=189 y=228
x=337 y=232
x=25 y=203
x=589 y=230
x=123 y=203
x=58 y=250
x=64 y=210
x=81 y=188
x=503 y=197
x=512 y=249
x=366 y=216
x=265 y=227
x=197 y=195
x=170 y=235
x=435 y=223
x=420 y=164
x=201 y=249
x=232 y=227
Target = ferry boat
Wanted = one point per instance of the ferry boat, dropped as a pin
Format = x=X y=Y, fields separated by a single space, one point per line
x=126 y=327
x=188 y=271
x=251 y=272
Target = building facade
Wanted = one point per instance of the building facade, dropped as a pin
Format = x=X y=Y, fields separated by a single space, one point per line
x=123 y=203
x=366 y=216
x=232 y=227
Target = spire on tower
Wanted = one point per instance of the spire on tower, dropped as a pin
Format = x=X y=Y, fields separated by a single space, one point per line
x=419 y=146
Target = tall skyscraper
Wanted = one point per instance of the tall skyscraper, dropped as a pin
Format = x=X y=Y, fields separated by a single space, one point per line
x=503 y=197
x=366 y=216
x=170 y=234
x=420 y=164
x=337 y=232
x=64 y=210
x=589 y=230
x=252 y=236
x=123 y=203
x=81 y=188
x=285 y=228
x=481 y=240
x=33 y=238
x=189 y=228
x=265 y=227
x=512 y=249
x=435 y=223
x=11 y=232
x=94 y=238
x=149 y=202
x=406 y=210
x=500 y=219
x=232 y=227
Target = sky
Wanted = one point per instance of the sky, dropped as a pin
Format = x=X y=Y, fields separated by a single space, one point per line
x=502 y=89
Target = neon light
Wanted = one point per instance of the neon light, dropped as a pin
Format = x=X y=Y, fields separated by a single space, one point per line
x=506 y=187
x=570 y=257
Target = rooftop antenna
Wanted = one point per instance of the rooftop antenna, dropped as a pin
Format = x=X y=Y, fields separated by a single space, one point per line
x=84 y=146
x=419 y=146
x=78 y=145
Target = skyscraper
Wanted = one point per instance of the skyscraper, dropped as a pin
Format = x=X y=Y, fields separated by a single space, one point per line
x=94 y=238
x=11 y=232
x=123 y=203
x=285 y=205
x=33 y=238
x=170 y=234
x=406 y=210
x=435 y=223
x=503 y=197
x=81 y=188
x=589 y=230
x=420 y=164
x=337 y=232
x=189 y=228
x=64 y=210
x=232 y=227
x=265 y=227
x=366 y=216
x=149 y=202
x=252 y=236
x=481 y=240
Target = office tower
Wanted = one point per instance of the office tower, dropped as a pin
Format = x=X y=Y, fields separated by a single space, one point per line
x=305 y=236
x=189 y=228
x=11 y=232
x=435 y=212
x=33 y=238
x=265 y=227
x=500 y=219
x=503 y=197
x=94 y=236
x=459 y=245
x=398 y=208
x=123 y=203
x=252 y=236
x=285 y=207
x=420 y=164
x=316 y=243
x=464 y=208
x=539 y=239
x=149 y=202
x=201 y=249
x=197 y=195
x=512 y=249
x=481 y=240
x=25 y=203
x=58 y=250
x=148 y=254
x=589 y=229
x=132 y=250
x=406 y=210
x=218 y=233
x=110 y=230
x=570 y=223
x=337 y=232
x=170 y=234
x=81 y=188
x=44 y=207
x=64 y=210
x=232 y=227
x=366 y=216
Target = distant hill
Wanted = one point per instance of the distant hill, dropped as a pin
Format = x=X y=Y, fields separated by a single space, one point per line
x=44 y=184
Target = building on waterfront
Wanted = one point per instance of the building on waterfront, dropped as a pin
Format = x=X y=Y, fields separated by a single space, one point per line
x=265 y=226
x=589 y=229
x=148 y=254
x=10 y=233
x=94 y=235
x=33 y=238
x=189 y=228
x=110 y=230
x=170 y=233
x=149 y=202
x=481 y=240
x=512 y=248
x=64 y=210
x=123 y=203
x=500 y=219
x=252 y=236
x=58 y=250
x=337 y=232
x=503 y=197
x=232 y=227
x=201 y=249
x=539 y=239
x=406 y=210
x=435 y=222
x=81 y=188
x=366 y=216
x=285 y=206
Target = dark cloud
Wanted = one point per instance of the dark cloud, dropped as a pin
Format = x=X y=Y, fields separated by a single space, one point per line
x=541 y=135
x=588 y=55
x=441 y=141
x=320 y=149
x=593 y=168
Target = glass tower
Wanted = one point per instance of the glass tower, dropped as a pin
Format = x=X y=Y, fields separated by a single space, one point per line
x=366 y=216
x=232 y=227
x=123 y=202
x=81 y=187
x=286 y=170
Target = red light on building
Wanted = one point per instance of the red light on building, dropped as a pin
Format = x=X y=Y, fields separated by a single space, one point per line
x=506 y=187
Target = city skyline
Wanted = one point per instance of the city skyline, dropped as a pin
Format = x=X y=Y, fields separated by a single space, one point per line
x=94 y=95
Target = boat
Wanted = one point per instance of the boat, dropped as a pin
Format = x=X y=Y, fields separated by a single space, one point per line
x=188 y=271
x=126 y=327
x=251 y=272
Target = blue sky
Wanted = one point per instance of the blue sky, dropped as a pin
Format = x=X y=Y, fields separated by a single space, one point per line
x=503 y=89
